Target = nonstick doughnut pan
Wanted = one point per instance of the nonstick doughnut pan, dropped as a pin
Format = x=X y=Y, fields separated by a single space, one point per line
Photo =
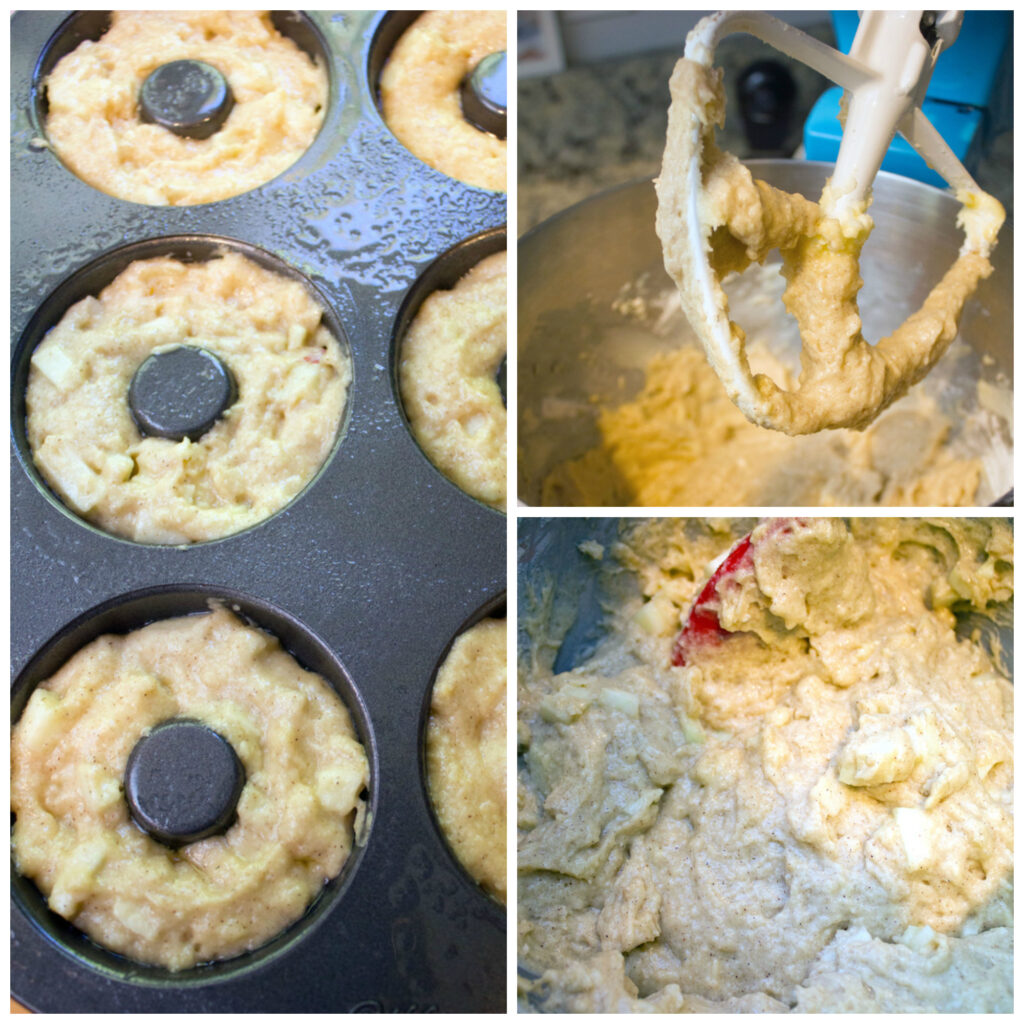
x=366 y=577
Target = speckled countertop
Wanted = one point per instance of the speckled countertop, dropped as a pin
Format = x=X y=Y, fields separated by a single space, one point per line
x=592 y=127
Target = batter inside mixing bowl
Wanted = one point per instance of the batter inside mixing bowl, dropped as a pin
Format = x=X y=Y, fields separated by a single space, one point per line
x=680 y=440
x=811 y=811
x=297 y=817
x=95 y=126
x=449 y=360
x=420 y=94
x=466 y=741
x=292 y=384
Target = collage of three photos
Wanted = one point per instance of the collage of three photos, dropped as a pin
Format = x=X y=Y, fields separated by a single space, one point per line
x=309 y=485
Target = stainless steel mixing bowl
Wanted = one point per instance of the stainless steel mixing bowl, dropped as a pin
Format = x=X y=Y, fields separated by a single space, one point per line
x=586 y=271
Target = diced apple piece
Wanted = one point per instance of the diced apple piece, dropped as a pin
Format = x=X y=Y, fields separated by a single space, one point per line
x=80 y=485
x=162 y=332
x=913 y=825
x=301 y=383
x=138 y=918
x=877 y=759
x=922 y=939
x=619 y=700
x=118 y=468
x=99 y=787
x=38 y=720
x=337 y=789
x=659 y=616
x=56 y=366
x=74 y=878
x=567 y=704
x=693 y=731
x=950 y=780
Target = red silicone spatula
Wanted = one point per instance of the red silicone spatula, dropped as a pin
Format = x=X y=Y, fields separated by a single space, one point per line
x=702 y=628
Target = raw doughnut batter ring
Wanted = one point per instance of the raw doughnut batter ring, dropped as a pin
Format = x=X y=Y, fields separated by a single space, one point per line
x=714 y=218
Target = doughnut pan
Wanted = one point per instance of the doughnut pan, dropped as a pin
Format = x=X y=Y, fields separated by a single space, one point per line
x=366 y=577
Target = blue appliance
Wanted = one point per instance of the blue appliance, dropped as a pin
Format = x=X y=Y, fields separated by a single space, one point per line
x=969 y=98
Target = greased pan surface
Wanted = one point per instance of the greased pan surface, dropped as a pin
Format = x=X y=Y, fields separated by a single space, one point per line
x=367 y=576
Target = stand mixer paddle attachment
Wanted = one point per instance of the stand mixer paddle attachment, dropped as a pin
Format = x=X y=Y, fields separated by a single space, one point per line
x=714 y=219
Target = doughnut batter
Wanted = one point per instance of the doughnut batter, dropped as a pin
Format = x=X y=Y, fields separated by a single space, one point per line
x=93 y=121
x=292 y=375
x=298 y=814
x=449 y=361
x=681 y=441
x=813 y=813
x=466 y=739
x=844 y=380
x=420 y=94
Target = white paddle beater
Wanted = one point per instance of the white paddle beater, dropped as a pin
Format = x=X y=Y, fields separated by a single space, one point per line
x=714 y=218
